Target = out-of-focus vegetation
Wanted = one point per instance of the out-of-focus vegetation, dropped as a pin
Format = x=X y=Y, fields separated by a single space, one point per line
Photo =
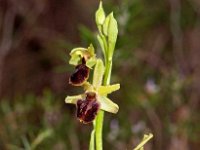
x=156 y=62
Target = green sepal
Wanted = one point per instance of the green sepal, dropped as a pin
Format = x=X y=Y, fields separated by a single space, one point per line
x=74 y=60
x=77 y=54
x=104 y=90
x=73 y=99
x=98 y=73
x=100 y=15
x=78 y=51
x=107 y=105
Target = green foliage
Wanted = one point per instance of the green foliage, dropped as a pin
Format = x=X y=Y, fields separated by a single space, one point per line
x=146 y=138
x=36 y=122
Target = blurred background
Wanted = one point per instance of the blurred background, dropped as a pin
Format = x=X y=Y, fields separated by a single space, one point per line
x=157 y=62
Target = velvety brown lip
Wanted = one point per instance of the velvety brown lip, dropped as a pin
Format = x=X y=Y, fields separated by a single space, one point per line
x=80 y=75
x=87 y=109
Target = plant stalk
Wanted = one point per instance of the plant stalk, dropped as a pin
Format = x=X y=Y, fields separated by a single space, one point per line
x=100 y=116
x=97 y=133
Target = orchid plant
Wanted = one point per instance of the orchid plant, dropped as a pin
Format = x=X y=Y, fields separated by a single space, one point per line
x=91 y=104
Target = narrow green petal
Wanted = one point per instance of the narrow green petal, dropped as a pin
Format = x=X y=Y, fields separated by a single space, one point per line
x=91 y=49
x=72 y=99
x=104 y=90
x=91 y=62
x=108 y=105
x=98 y=73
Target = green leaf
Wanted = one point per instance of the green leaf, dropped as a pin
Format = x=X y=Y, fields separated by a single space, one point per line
x=104 y=90
x=112 y=35
x=146 y=138
x=107 y=105
x=26 y=143
x=98 y=73
x=73 y=99
x=41 y=137
x=100 y=15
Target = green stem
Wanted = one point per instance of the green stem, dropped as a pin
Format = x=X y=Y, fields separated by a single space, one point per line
x=107 y=75
x=98 y=123
x=100 y=115
x=99 y=129
x=92 y=140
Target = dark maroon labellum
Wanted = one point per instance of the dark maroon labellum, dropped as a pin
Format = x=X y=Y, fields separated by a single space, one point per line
x=87 y=109
x=80 y=75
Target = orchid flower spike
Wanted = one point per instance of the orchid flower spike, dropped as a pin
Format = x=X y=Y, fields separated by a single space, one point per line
x=95 y=97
